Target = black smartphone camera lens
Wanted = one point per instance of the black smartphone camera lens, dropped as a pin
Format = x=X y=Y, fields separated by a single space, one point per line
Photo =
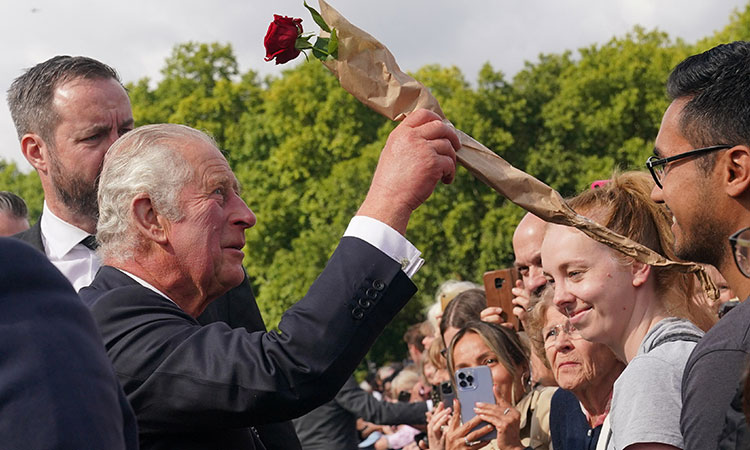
x=470 y=379
x=462 y=383
x=461 y=375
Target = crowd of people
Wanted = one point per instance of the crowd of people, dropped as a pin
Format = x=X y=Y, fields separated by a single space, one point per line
x=129 y=321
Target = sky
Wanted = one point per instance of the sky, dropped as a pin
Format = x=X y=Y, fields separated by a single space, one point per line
x=136 y=36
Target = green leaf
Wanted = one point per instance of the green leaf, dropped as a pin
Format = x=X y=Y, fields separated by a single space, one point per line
x=302 y=43
x=333 y=44
x=318 y=18
x=320 y=49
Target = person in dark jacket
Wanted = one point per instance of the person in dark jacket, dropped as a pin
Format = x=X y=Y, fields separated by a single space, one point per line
x=333 y=425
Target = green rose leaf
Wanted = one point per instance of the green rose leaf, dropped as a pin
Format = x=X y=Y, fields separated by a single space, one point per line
x=317 y=18
x=320 y=49
x=302 y=43
x=333 y=44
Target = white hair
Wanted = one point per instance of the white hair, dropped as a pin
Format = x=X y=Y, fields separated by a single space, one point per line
x=404 y=381
x=451 y=288
x=143 y=161
x=433 y=312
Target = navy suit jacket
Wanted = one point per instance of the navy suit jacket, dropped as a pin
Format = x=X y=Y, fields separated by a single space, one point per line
x=196 y=386
x=237 y=308
x=57 y=387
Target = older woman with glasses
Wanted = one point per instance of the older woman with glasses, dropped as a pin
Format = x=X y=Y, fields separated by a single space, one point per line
x=643 y=313
x=585 y=371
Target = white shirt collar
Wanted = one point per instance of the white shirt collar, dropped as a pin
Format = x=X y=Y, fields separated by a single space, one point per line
x=66 y=235
x=146 y=284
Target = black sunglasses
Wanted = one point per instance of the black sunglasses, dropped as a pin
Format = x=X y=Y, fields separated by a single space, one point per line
x=657 y=165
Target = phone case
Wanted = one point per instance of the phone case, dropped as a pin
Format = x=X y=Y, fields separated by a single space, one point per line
x=498 y=285
x=447 y=394
x=474 y=384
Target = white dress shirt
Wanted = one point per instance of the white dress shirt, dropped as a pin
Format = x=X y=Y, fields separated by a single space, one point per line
x=388 y=241
x=62 y=245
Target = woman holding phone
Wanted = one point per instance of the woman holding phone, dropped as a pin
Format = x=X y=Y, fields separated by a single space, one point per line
x=520 y=414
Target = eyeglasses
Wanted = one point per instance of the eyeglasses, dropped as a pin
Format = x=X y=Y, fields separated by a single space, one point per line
x=740 y=242
x=551 y=335
x=657 y=165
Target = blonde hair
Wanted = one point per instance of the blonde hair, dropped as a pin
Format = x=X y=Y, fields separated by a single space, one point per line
x=435 y=354
x=624 y=206
x=449 y=289
x=404 y=381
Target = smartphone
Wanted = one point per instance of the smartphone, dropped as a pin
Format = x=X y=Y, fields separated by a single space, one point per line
x=497 y=287
x=474 y=384
x=447 y=394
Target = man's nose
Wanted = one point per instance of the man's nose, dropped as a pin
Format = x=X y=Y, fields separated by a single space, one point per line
x=242 y=215
x=657 y=195
x=535 y=279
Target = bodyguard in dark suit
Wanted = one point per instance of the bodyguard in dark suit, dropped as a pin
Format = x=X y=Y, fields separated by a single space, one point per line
x=67 y=112
x=171 y=229
x=57 y=387
x=333 y=425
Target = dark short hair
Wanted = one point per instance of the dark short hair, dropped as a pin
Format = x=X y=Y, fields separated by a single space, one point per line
x=414 y=336
x=13 y=204
x=717 y=84
x=30 y=95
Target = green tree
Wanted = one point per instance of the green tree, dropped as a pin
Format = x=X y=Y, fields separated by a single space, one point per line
x=25 y=185
x=304 y=150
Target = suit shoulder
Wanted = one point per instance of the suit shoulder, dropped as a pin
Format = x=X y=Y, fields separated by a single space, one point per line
x=32 y=236
x=133 y=294
x=29 y=267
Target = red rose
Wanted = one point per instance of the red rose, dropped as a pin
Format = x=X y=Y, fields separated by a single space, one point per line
x=280 y=39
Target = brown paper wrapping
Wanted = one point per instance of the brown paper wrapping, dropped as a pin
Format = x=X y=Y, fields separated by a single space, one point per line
x=367 y=70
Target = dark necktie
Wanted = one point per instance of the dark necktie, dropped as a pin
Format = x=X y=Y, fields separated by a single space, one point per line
x=90 y=243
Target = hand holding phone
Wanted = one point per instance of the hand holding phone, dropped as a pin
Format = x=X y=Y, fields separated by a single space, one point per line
x=474 y=384
x=498 y=287
x=447 y=394
x=521 y=301
x=503 y=416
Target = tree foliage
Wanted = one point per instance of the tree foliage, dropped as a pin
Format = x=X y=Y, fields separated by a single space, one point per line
x=304 y=150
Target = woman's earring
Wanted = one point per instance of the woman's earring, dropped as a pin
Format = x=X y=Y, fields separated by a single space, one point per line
x=526 y=379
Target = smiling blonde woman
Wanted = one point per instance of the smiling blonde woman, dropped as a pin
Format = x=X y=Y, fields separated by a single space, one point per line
x=645 y=314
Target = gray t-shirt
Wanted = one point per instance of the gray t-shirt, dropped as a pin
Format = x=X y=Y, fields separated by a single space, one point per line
x=646 y=402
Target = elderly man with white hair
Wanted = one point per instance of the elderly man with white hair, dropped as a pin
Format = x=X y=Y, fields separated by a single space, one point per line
x=171 y=230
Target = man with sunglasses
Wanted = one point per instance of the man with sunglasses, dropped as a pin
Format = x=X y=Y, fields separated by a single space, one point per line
x=702 y=171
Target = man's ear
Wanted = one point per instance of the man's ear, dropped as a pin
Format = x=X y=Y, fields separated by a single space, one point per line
x=640 y=272
x=35 y=151
x=736 y=164
x=148 y=221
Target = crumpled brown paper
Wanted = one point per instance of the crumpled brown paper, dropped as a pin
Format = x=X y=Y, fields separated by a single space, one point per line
x=367 y=70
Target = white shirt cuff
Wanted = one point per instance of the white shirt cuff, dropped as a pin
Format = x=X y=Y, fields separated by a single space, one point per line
x=388 y=241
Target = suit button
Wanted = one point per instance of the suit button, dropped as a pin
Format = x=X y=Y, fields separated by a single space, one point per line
x=364 y=303
x=372 y=293
x=379 y=285
x=358 y=313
